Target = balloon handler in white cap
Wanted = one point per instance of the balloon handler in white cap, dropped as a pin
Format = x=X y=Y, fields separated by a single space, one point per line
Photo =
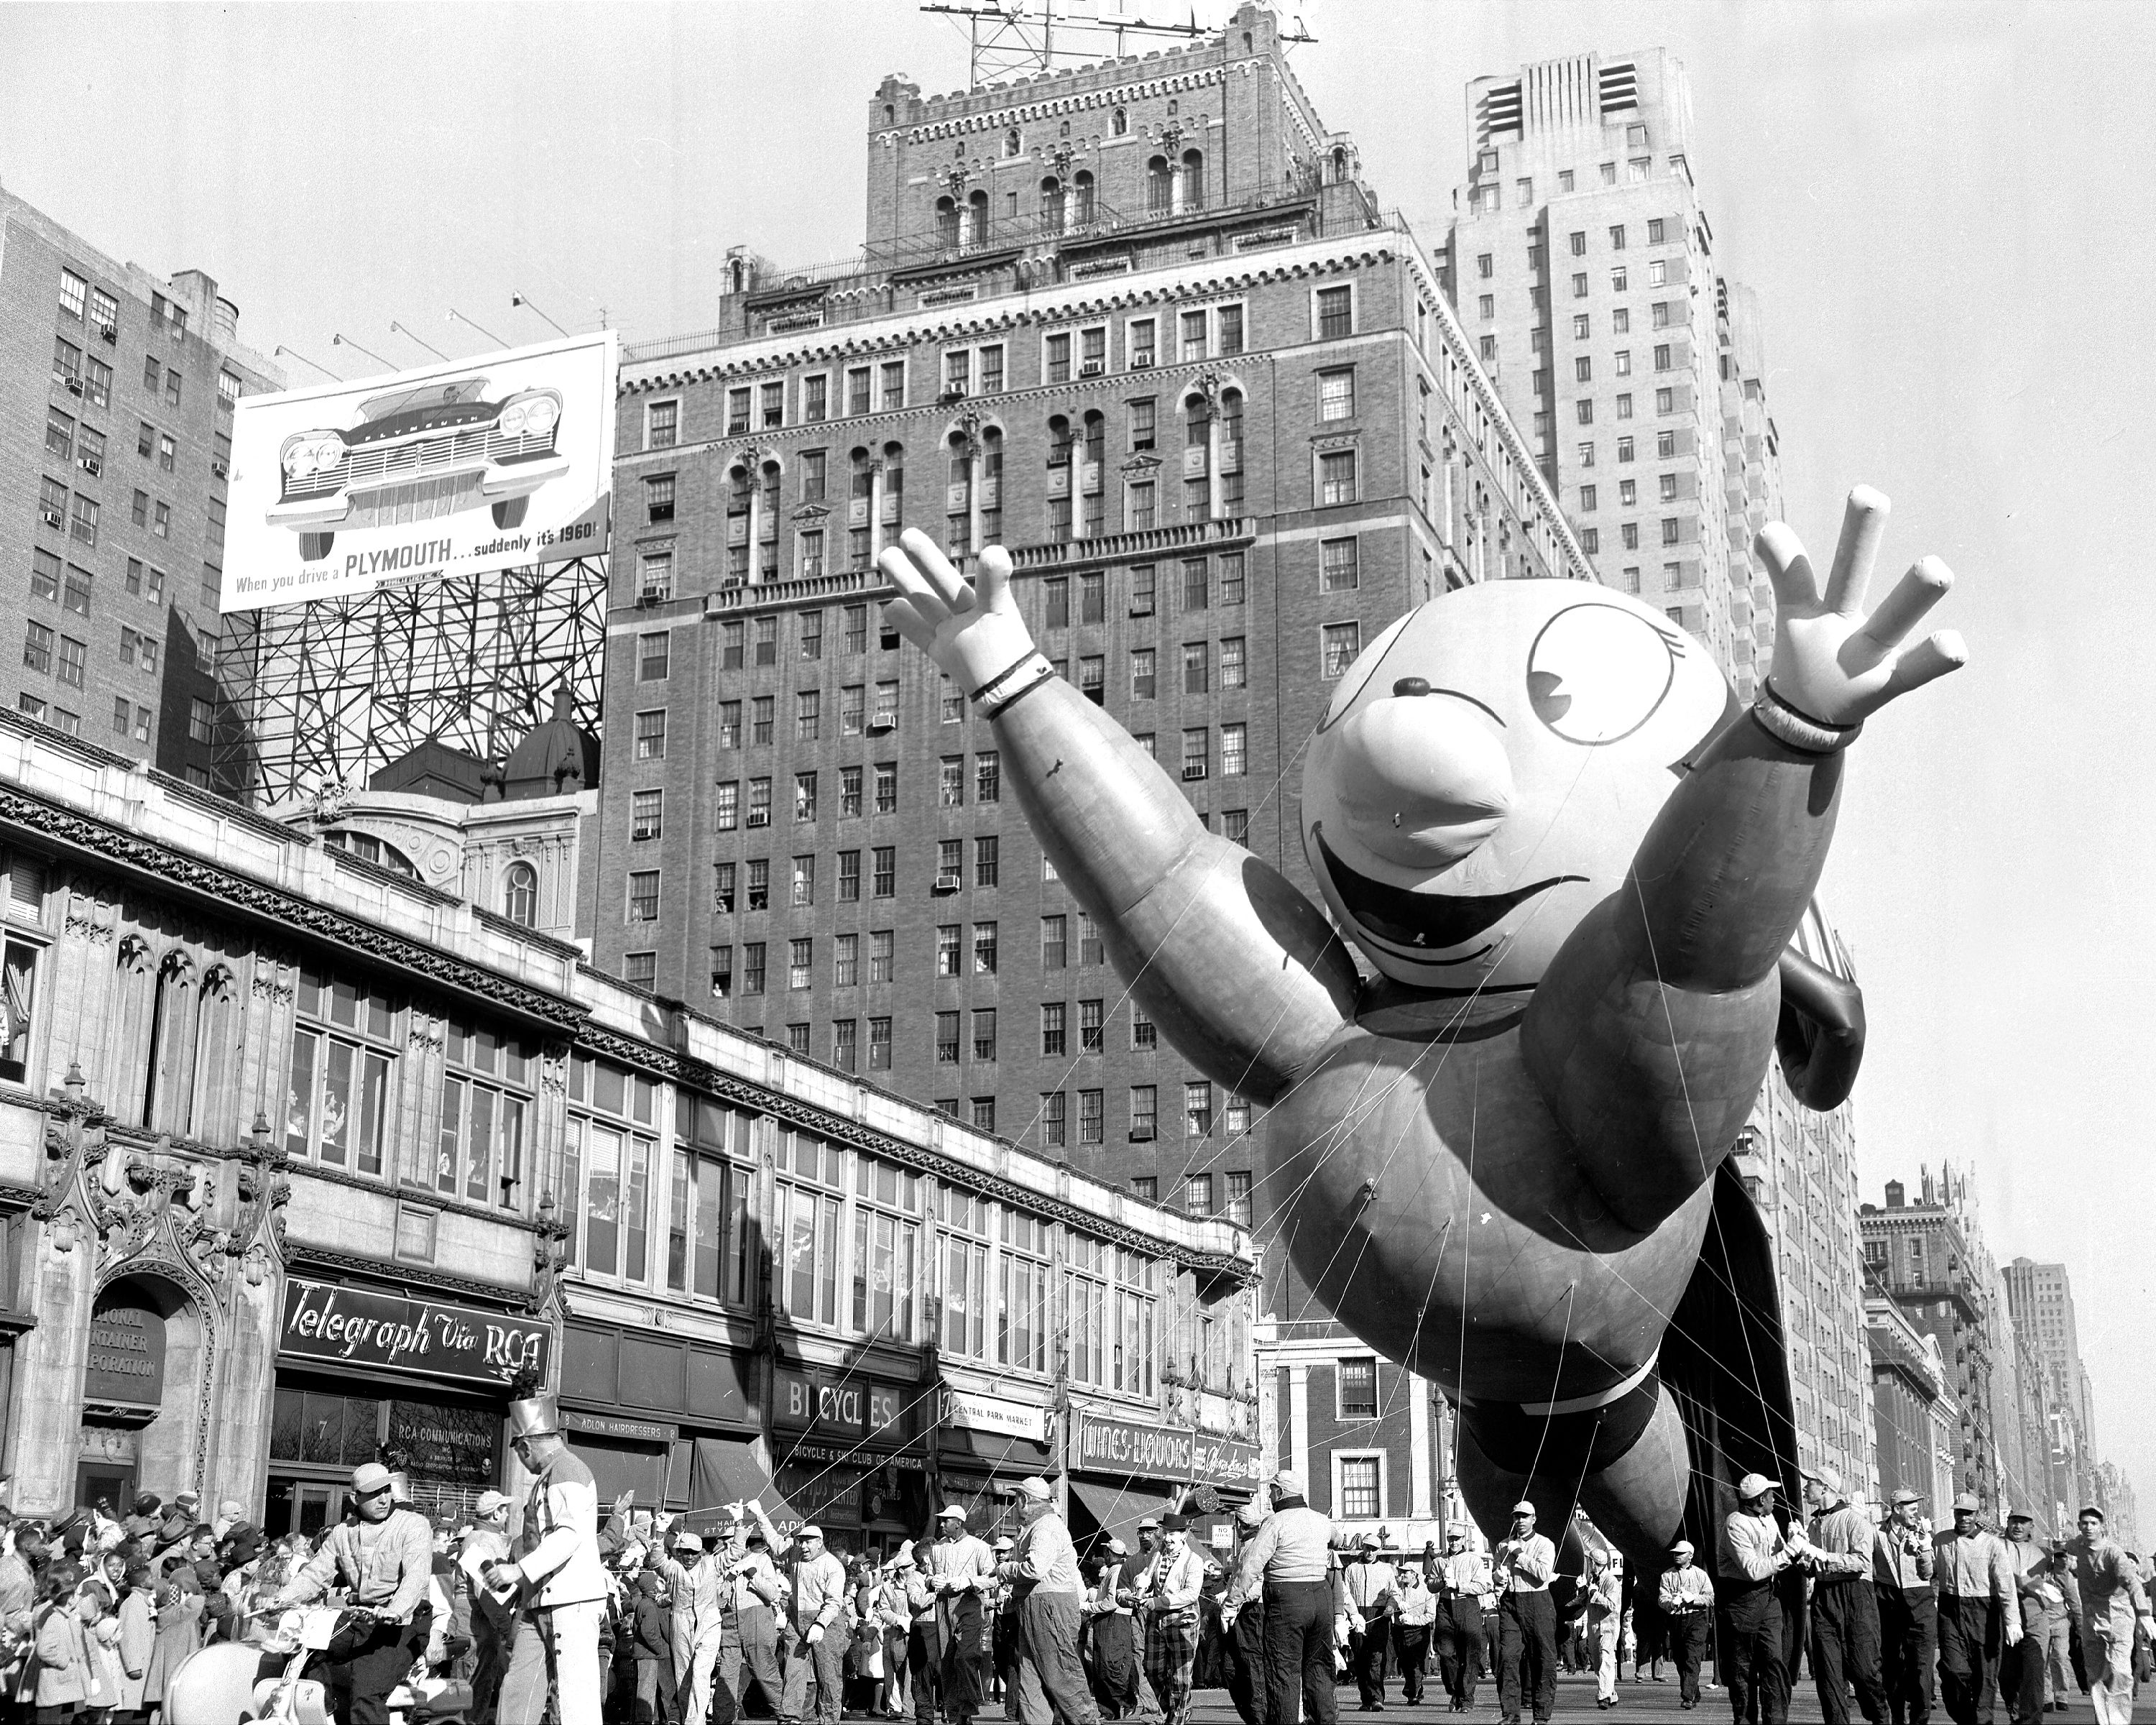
x=1845 y=1650
x=1522 y=1564
x=1756 y=1551
x=947 y=1654
x=1686 y=1597
x=1287 y=1563
x=1042 y=1571
x=558 y=1581
x=382 y=1561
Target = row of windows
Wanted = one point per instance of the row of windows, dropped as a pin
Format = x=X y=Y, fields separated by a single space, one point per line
x=1065 y=355
x=1666 y=403
x=67 y=439
x=1488 y=198
x=1658 y=229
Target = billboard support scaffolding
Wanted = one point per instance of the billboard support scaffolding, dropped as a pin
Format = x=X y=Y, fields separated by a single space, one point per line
x=411 y=559
x=331 y=692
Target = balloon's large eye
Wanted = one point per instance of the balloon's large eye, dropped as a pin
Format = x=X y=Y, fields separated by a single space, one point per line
x=1597 y=673
x=1357 y=675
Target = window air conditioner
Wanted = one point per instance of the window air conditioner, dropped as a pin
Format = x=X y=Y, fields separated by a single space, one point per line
x=51 y=517
x=110 y=332
x=1141 y=361
x=880 y=723
x=946 y=884
x=1091 y=368
x=74 y=385
x=90 y=465
x=1194 y=769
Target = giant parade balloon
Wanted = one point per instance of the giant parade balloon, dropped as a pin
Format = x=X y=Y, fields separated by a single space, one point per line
x=1574 y=866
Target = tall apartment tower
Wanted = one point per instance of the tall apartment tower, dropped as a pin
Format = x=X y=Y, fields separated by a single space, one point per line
x=2041 y=1299
x=116 y=388
x=1144 y=323
x=1584 y=269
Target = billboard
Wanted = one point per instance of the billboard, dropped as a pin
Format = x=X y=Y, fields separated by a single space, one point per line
x=457 y=469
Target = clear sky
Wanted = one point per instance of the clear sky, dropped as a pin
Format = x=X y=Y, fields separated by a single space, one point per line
x=1948 y=212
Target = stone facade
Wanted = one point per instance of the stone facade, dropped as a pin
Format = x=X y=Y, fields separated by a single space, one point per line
x=300 y=1159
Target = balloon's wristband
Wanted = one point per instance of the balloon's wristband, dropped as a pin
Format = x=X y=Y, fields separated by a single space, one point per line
x=994 y=697
x=1798 y=729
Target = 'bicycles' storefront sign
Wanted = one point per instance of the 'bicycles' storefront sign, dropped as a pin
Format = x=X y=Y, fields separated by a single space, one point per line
x=357 y=1327
x=1155 y=1452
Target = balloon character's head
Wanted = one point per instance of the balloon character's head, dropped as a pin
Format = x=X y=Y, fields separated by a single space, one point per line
x=1486 y=770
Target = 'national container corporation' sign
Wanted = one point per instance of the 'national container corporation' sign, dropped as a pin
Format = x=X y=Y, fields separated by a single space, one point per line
x=349 y=1327
x=1158 y=1453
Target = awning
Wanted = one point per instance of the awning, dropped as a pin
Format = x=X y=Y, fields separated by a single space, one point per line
x=725 y=1470
x=1100 y=1513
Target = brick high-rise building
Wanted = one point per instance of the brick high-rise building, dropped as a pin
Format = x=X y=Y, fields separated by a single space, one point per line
x=1144 y=323
x=2041 y=1299
x=1583 y=267
x=1928 y=1257
x=116 y=388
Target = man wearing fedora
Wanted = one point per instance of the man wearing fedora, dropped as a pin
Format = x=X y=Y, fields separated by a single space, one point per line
x=383 y=1561
x=557 y=1576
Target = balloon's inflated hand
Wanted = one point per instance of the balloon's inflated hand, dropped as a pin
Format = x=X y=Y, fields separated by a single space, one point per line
x=972 y=630
x=1832 y=663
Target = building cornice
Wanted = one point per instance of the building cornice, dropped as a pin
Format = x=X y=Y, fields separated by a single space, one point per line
x=300 y=1257
x=85 y=836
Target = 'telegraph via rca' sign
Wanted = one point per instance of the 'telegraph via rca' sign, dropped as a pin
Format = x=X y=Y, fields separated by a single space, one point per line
x=1154 y=1452
x=350 y=1327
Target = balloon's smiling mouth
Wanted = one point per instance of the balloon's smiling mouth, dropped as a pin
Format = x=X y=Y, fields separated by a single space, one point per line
x=1423 y=923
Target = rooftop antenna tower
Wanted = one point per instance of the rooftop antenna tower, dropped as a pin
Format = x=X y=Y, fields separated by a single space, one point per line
x=1019 y=38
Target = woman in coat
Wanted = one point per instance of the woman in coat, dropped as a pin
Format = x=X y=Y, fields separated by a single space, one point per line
x=70 y=1684
x=137 y=1621
x=179 y=1611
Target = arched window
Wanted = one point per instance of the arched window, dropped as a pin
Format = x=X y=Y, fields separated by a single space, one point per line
x=1065 y=131
x=977 y=211
x=1051 y=205
x=168 y=1085
x=521 y=895
x=213 y=1112
x=1173 y=107
x=1193 y=180
x=890 y=113
x=1011 y=143
x=369 y=849
x=737 y=490
x=736 y=275
x=1082 y=210
x=1160 y=186
x=1339 y=166
x=1121 y=124
x=1096 y=440
x=946 y=223
x=894 y=483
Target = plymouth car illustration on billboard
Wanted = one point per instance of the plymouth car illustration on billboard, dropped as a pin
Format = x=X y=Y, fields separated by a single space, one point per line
x=456 y=468
x=417 y=455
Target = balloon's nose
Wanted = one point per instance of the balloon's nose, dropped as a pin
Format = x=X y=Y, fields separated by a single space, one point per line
x=1424 y=781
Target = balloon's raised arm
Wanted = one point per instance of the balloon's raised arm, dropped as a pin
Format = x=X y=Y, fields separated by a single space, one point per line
x=1651 y=1031
x=1242 y=972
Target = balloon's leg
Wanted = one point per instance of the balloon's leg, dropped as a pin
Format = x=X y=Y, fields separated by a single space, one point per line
x=1626 y=1464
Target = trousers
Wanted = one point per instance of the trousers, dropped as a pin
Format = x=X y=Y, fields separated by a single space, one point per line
x=1757 y=1674
x=1299 y=1652
x=1602 y=1633
x=557 y=1647
x=1460 y=1646
x=1246 y=1664
x=1968 y=1656
x=751 y=1647
x=1845 y=1651
x=1909 y=1634
x=1684 y=1633
x=1411 y=1648
x=825 y=1661
x=366 y=1663
x=1372 y=1651
x=1048 y=1642
x=1526 y=1654
x=2021 y=1667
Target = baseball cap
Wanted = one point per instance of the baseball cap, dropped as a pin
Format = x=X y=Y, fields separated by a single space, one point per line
x=368 y=1478
x=231 y=1507
x=686 y=1541
x=489 y=1501
x=1116 y=1548
x=950 y=1513
x=1965 y=1503
x=193 y=1497
x=1152 y=1521
x=1906 y=1496
x=2019 y=1516
x=1452 y=1533
x=1035 y=1487
x=1523 y=1508
x=1826 y=1476
x=1368 y=1541
x=809 y=1531
x=1755 y=1485
x=1004 y=1543
x=2090 y=1509
x=1683 y=1548
x=1286 y=1480
x=1250 y=1514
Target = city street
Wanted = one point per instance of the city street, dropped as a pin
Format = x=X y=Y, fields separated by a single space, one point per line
x=1637 y=1704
